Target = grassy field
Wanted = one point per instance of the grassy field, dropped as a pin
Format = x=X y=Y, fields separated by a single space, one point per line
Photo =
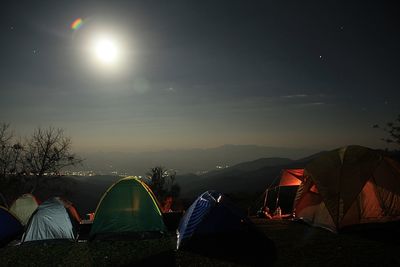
x=298 y=244
x=294 y=244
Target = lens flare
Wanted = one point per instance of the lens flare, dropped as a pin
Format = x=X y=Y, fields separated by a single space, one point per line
x=77 y=24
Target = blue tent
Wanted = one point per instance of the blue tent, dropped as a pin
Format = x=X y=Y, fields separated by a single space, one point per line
x=211 y=214
x=215 y=227
x=53 y=219
x=10 y=227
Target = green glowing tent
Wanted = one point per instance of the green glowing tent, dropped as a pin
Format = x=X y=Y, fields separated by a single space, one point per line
x=127 y=207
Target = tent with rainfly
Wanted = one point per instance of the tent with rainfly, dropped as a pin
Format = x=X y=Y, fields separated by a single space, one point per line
x=215 y=227
x=348 y=186
x=54 y=219
x=10 y=226
x=23 y=207
x=127 y=207
x=211 y=214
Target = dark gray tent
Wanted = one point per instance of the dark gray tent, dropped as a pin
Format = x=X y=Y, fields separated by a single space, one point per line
x=53 y=219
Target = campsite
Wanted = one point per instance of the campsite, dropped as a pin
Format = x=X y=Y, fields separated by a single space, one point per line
x=199 y=133
x=297 y=245
x=129 y=227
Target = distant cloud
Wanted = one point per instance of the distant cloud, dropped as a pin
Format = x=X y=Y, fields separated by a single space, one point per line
x=314 y=104
x=295 y=96
x=304 y=100
x=170 y=89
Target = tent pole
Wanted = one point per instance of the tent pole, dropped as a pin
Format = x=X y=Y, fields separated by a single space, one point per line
x=266 y=197
x=277 y=197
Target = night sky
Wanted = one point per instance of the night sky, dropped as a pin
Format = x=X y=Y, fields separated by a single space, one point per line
x=197 y=74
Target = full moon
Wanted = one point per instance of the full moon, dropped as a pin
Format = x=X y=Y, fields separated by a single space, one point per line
x=106 y=50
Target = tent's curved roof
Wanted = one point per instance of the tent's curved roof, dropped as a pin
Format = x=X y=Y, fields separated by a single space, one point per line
x=51 y=220
x=211 y=213
x=127 y=206
x=10 y=226
x=341 y=174
x=24 y=206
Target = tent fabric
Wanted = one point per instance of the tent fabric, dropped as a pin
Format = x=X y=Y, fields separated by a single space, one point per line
x=72 y=212
x=10 y=228
x=211 y=213
x=128 y=206
x=51 y=220
x=3 y=202
x=291 y=177
x=347 y=186
x=194 y=215
x=23 y=207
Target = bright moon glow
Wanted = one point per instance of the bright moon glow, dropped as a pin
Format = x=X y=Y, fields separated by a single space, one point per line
x=106 y=50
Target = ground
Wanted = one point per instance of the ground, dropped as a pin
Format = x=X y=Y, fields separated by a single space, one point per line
x=296 y=244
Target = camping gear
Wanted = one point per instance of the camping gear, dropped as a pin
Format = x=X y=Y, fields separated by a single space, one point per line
x=23 y=207
x=128 y=207
x=211 y=214
x=55 y=218
x=10 y=226
x=349 y=186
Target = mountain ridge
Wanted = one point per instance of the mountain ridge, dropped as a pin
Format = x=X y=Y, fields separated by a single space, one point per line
x=185 y=161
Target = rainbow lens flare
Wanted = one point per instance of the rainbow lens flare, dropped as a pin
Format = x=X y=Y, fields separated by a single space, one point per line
x=76 y=24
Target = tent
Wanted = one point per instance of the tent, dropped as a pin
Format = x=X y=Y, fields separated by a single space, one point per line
x=55 y=218
x=211 y=214
x=127 y=207
x=214 y=227
x=290 y=179
x=349 y=186
x=23 y=207
x=3 y=201
x=10 y=226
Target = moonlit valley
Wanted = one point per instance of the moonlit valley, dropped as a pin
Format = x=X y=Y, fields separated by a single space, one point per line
x=199 y=133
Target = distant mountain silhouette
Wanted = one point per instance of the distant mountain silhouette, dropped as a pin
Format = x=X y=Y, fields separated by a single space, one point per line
x=186 y=161
x=246 y=177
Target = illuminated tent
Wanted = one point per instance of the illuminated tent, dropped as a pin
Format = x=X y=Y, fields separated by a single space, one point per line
x=127 y=207
x=23 y=207
x=348 y=186
x=291 y=177
x=10 y=226
x=211 y=214
x=55 y=218
x=287 y=178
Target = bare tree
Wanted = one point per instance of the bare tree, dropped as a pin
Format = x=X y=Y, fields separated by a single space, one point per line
x=157 y=176
x=47 y=151
x=162 y=183
x=10 y=155
x=393 y=130
x=8 y=151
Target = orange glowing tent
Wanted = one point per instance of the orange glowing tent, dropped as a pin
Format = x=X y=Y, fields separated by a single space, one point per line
x=291 y=177
x=349 y=186
x=287 y=178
